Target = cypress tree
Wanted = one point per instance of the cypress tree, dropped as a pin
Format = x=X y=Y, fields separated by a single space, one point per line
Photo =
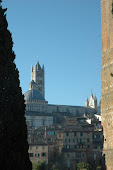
x=13 y=129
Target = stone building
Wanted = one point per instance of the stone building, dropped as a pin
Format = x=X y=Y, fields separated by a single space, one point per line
x=77 y=145
x=48 y=133
x=97 y=146
x=38 y=152
x=35 y=119
x=82 y=143
x=95 y=120
x=39 y=112
x=107 y=80
x=69 y=143
x=47 y=137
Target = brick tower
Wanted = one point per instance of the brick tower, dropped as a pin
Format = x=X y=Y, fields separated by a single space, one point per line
x=107 y=81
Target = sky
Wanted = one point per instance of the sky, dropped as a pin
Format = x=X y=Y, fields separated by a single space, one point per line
x=66 y=37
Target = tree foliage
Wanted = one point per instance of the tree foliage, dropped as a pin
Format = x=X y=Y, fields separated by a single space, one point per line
x=54 y=167
x=39 y=165
x=83 y=166
x=98 y=168
x=13 y=129
x=112 y=8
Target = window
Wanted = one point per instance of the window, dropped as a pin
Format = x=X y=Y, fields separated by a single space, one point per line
x=35 y=132
x=42 y=133
x=30 y=147
x=88 y=155
x=75 y=146
x=55 y=133
x=88 y=146
x=67 y=154
x=36 y=147
x=30 y=155
x=100 y=136
x=81 y=134
x=100 y=154
x=68 y=164
x=43 y=154
x=74 y=133
x=67 y=146
x=69 y=140
x=38 y=155
x=67 y=134
x=35 y=155
x=74 y=140
x=50 y=133
x=88 y=140
x=78 y=156
x=43 y=147
x=59 y=135
x=94 y=136
x=94 y=156
x=80 y=140
x=65 y=140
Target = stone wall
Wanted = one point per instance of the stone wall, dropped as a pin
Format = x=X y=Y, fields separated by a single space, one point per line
x=44 y=107
x=107 y=81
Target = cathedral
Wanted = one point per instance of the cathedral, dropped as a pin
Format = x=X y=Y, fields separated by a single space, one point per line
x=92 y=102
x=40 y=113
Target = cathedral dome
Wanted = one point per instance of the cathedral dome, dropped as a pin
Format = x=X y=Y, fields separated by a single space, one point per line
x=33 y=95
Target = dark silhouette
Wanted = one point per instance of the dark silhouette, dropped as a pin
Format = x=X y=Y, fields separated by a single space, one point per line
x=13 y=129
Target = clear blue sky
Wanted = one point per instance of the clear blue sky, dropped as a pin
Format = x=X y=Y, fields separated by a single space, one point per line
x=66 y=35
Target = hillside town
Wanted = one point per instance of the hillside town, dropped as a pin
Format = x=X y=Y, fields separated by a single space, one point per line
x=60 y=134
x=38 y=135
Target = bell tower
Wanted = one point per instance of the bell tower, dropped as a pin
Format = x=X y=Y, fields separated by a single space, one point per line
x=107 y=80
x=38 y=79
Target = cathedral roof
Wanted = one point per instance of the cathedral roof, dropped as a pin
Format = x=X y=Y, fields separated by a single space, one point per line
x=33 y=95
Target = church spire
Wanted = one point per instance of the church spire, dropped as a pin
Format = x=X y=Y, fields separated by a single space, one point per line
x=87 y=102
x=31 y=68
x=43 y=67
x=31 y=73
x=91 y=94
x=38 y=65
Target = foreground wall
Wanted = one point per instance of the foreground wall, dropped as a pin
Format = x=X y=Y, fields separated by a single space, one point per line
x=107 y=81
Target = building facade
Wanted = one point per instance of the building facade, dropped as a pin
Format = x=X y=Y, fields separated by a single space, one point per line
x=38 y=152
x=77 y=145
x=68 y=143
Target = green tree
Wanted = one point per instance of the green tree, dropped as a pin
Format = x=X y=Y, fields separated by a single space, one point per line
x=112 y=8
x=39 y=165
x=54 y=167
x=13 y=130
x=98 y=168
x=83 y=166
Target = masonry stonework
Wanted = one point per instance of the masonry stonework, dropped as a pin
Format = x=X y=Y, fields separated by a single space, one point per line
x=107 y=81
